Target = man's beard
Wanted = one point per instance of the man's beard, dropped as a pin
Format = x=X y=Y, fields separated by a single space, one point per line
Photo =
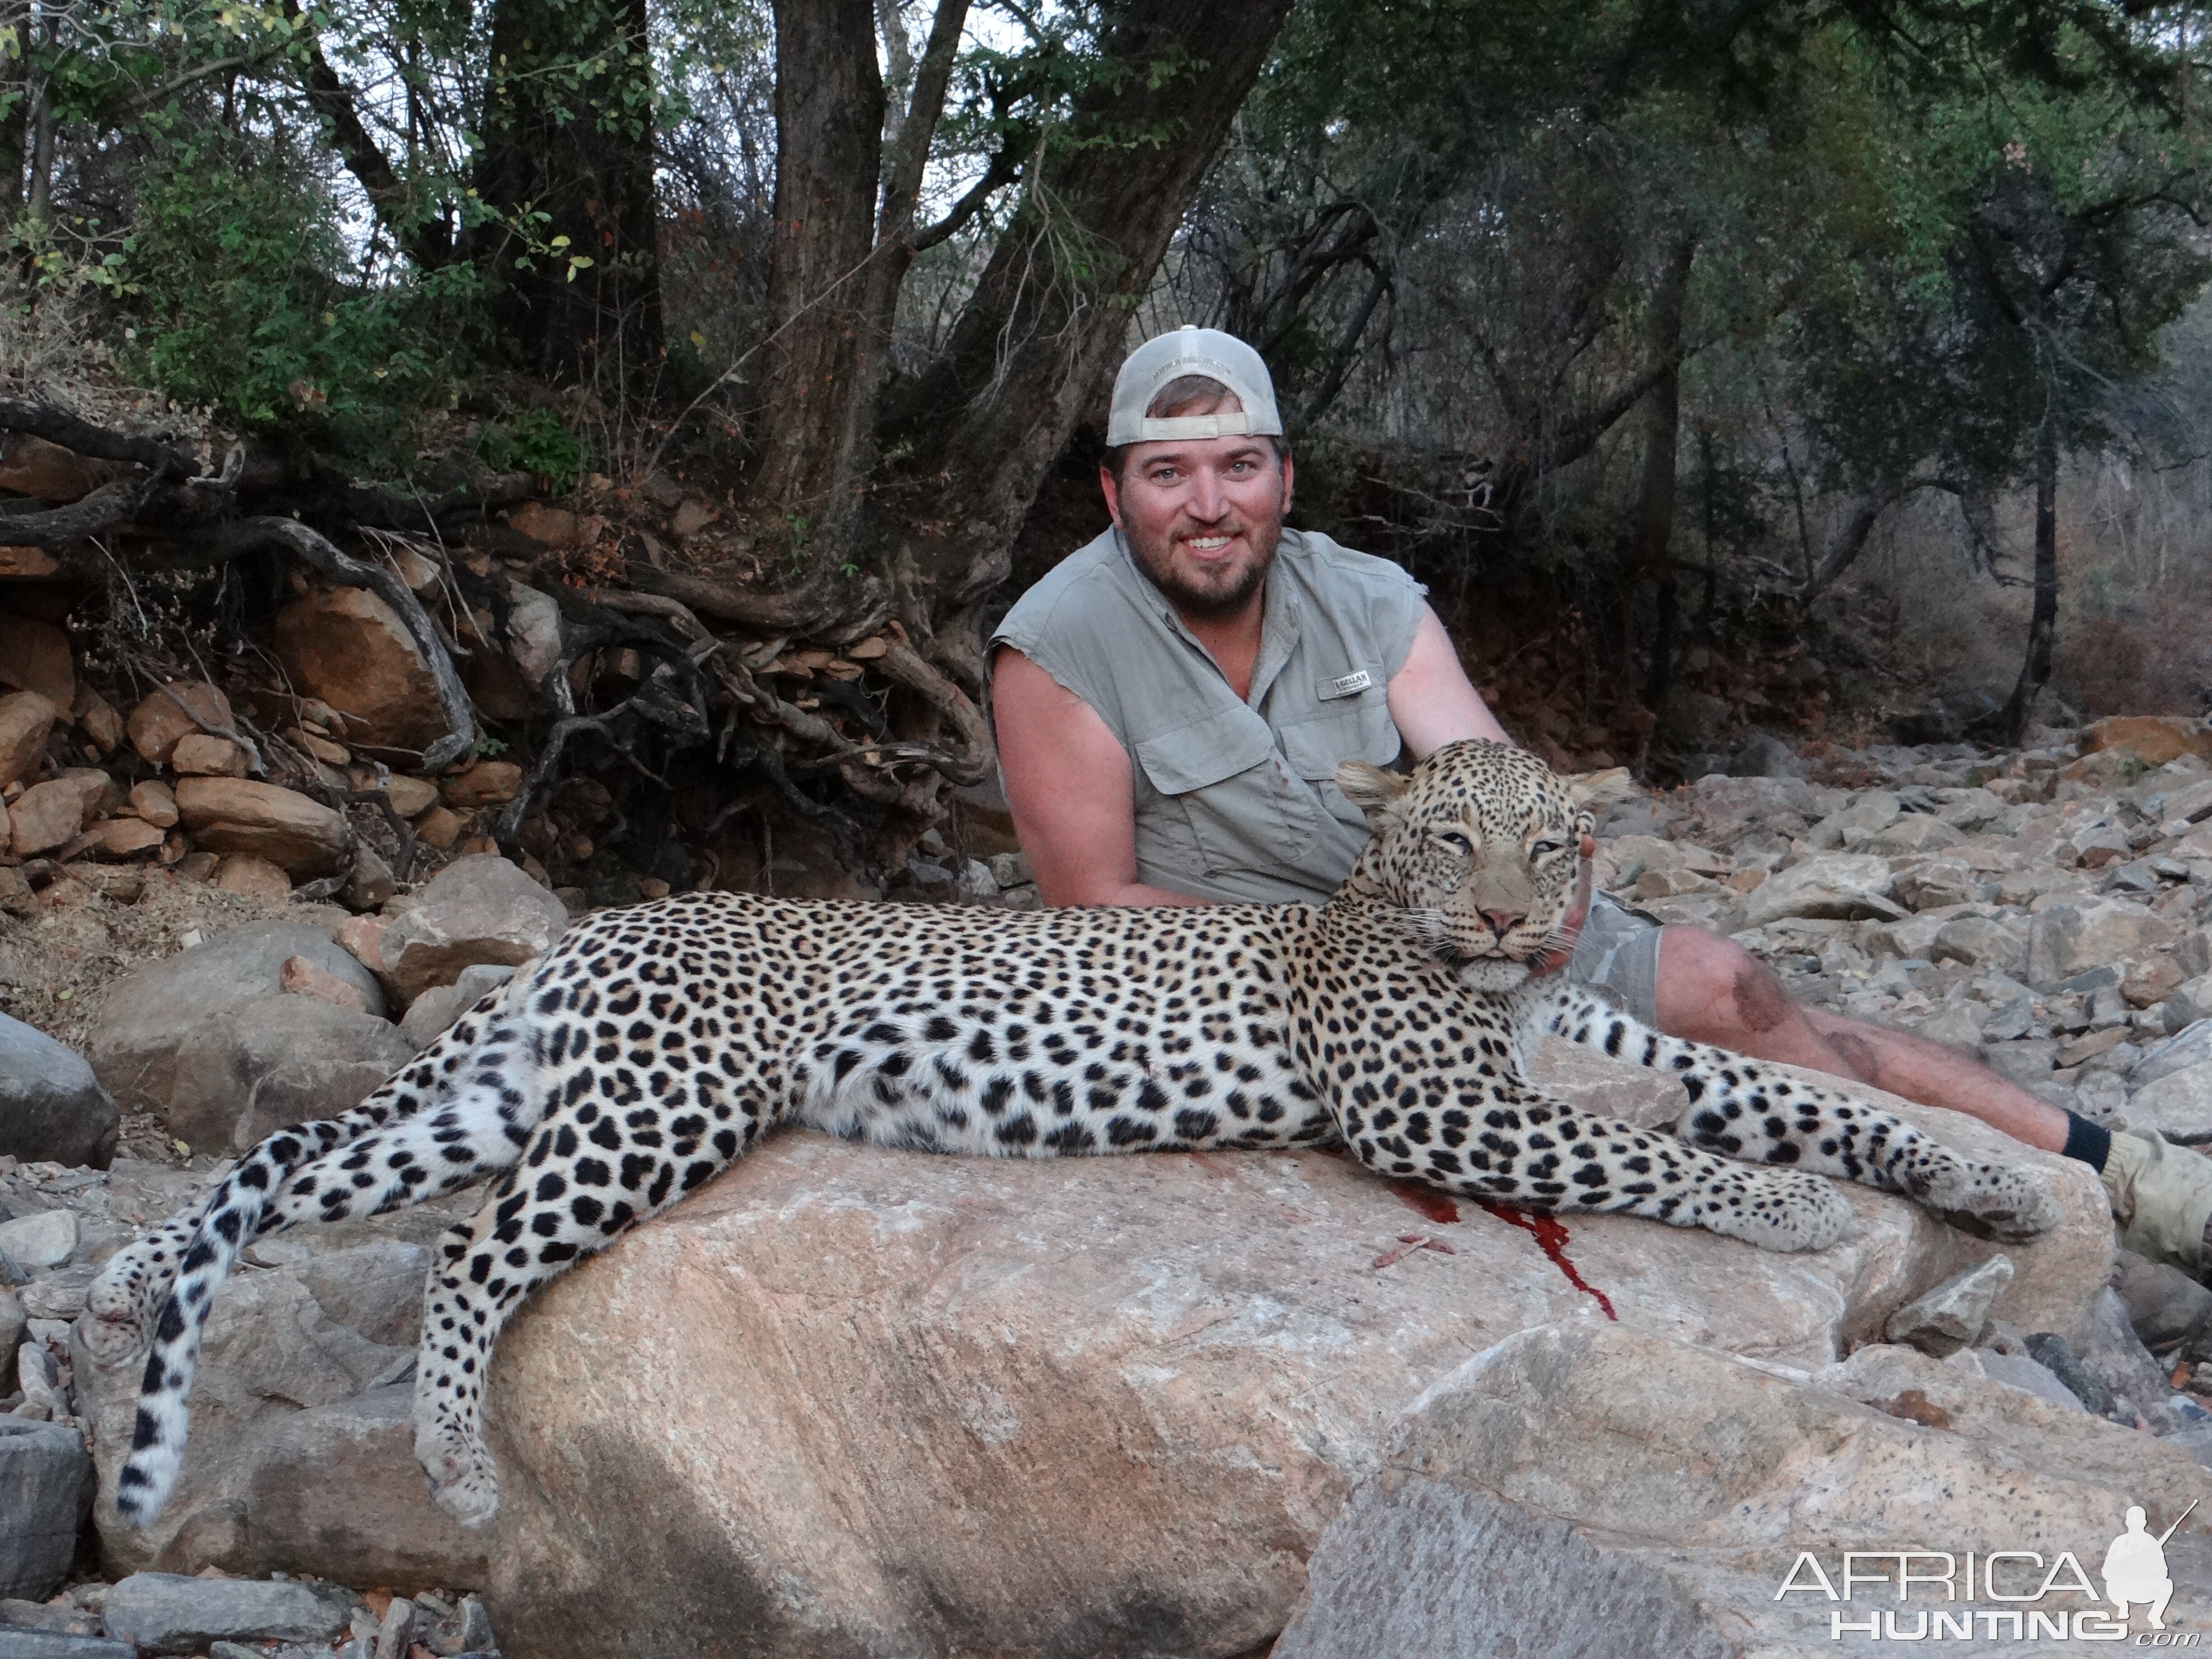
x=1218 y=598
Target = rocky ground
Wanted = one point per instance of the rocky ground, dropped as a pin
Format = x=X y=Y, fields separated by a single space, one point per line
x=1167 y=1387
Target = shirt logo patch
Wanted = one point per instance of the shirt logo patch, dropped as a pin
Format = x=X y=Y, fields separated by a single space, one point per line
x=1346 y=686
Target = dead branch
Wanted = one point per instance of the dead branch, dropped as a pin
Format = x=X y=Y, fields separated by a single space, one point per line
x=319 y=554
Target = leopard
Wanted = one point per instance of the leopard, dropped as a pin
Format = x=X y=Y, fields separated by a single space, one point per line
x=655 y=1044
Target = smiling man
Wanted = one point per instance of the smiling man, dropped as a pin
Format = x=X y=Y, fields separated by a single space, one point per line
x=1173 y=699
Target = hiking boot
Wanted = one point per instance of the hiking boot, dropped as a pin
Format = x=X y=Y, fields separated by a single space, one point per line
x=2162 y=1197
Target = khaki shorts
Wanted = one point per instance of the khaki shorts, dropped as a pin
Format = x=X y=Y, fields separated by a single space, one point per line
x=1619 y=953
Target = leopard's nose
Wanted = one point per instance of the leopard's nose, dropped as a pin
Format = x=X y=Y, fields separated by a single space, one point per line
x=1503 y=922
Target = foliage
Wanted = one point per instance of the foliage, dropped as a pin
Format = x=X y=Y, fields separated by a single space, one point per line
x=533 y=441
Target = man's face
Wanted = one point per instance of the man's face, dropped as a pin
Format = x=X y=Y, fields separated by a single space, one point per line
x=1202 y=517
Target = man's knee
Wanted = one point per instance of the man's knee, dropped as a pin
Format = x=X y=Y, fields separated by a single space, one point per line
x=1713 y=989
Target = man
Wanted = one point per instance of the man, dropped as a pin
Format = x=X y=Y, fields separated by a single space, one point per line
x=1172 y=701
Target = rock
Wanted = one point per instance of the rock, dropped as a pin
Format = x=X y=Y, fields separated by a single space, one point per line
x=2056 y=1355
x=33 y=466
x=34 y=656
x=371 y=885
x=52 y=814
x=2163 y=1304
x=488 y=783
x=2017 y=1371
x=97 y=719
x=1935 y=885
x=270 y=1352
x=548 y=527
x=363 y=937
x=2177 y=1104
x=2091 y=933
x=476 y=909
x=301 y=977
x=14 y=1325
x=440 y=1006
x=2192 y=1047
x=46 y=1489
x=1980 y=942
x=1001 y=1319
x=148 y=1015
x=45 y=1239
x=252 y=877
x=2026 y=1062
x=2153 y=739
x=411 y=797
x=1869 y=814
x=122 y=839
x=376 y=1289
x=1954 y=1314
x=161 y=1613
x=1914 y=834
x=533 y=631
x=248 y=1070
x=198 y=754
x=1847 y=887
x=336 y=1491
x=1593 y=1489
x=2112 y=1352
x=51 y=1106
x=302 y=837
x=44 y=1644
x=347 y=647
x=439 y=827
x=27 y=720
x=158 y=724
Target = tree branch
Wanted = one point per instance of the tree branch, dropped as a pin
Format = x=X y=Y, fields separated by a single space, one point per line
x=319 y=555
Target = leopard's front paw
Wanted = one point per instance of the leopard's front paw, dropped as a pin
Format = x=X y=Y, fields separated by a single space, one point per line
x=1986 y=1200
x=1776 y=1209
x=464 y=1479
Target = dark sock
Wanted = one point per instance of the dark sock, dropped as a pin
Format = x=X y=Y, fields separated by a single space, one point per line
x=2088 y=1142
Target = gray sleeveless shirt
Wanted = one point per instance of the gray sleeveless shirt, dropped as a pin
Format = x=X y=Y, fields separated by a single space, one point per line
x=1235 y=799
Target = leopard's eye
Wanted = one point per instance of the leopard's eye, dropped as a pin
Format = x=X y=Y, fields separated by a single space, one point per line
x=1456 y=841
x=1544 y=849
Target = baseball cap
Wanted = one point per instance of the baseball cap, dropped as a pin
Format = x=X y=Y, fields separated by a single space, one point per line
x=1192 y=351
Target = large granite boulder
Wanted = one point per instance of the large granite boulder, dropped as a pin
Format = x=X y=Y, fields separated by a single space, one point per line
x=1596 y=1489
x=51 y=1106
x=348 y=648
x=150 y=1016
x=852 y=1401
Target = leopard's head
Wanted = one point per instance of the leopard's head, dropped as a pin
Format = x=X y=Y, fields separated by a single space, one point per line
x=1477 y=849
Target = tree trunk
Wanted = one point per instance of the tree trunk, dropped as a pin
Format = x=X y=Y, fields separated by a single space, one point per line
x=2043 y=620
x=567 y=162
x=829 y=159
x=1048 y=323
x=1651 y=540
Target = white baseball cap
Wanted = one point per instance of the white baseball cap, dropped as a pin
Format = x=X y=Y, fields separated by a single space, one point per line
x=1191 y=350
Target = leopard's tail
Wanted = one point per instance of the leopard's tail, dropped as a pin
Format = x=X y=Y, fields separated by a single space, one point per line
x=243 y=1206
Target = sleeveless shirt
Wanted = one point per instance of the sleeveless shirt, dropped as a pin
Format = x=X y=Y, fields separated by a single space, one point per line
x=1235 y=798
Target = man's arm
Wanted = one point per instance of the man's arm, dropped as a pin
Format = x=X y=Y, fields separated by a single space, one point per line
x=1431 y=700
x=1067 y=782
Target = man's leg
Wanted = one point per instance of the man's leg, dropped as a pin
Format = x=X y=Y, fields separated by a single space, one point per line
x=1711 y=990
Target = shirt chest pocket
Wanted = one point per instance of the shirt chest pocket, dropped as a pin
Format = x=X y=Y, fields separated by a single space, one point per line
x=1244 y=806
x=1358 y=729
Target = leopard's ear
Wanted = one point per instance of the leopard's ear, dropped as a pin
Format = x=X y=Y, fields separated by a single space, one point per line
x=1592 y=791
x=1372 y=790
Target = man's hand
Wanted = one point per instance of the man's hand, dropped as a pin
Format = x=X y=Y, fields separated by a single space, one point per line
x=1067 y=782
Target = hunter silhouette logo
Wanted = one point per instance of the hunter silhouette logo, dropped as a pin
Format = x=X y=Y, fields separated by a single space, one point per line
x=2134 y=1571
x=2135 y=1567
